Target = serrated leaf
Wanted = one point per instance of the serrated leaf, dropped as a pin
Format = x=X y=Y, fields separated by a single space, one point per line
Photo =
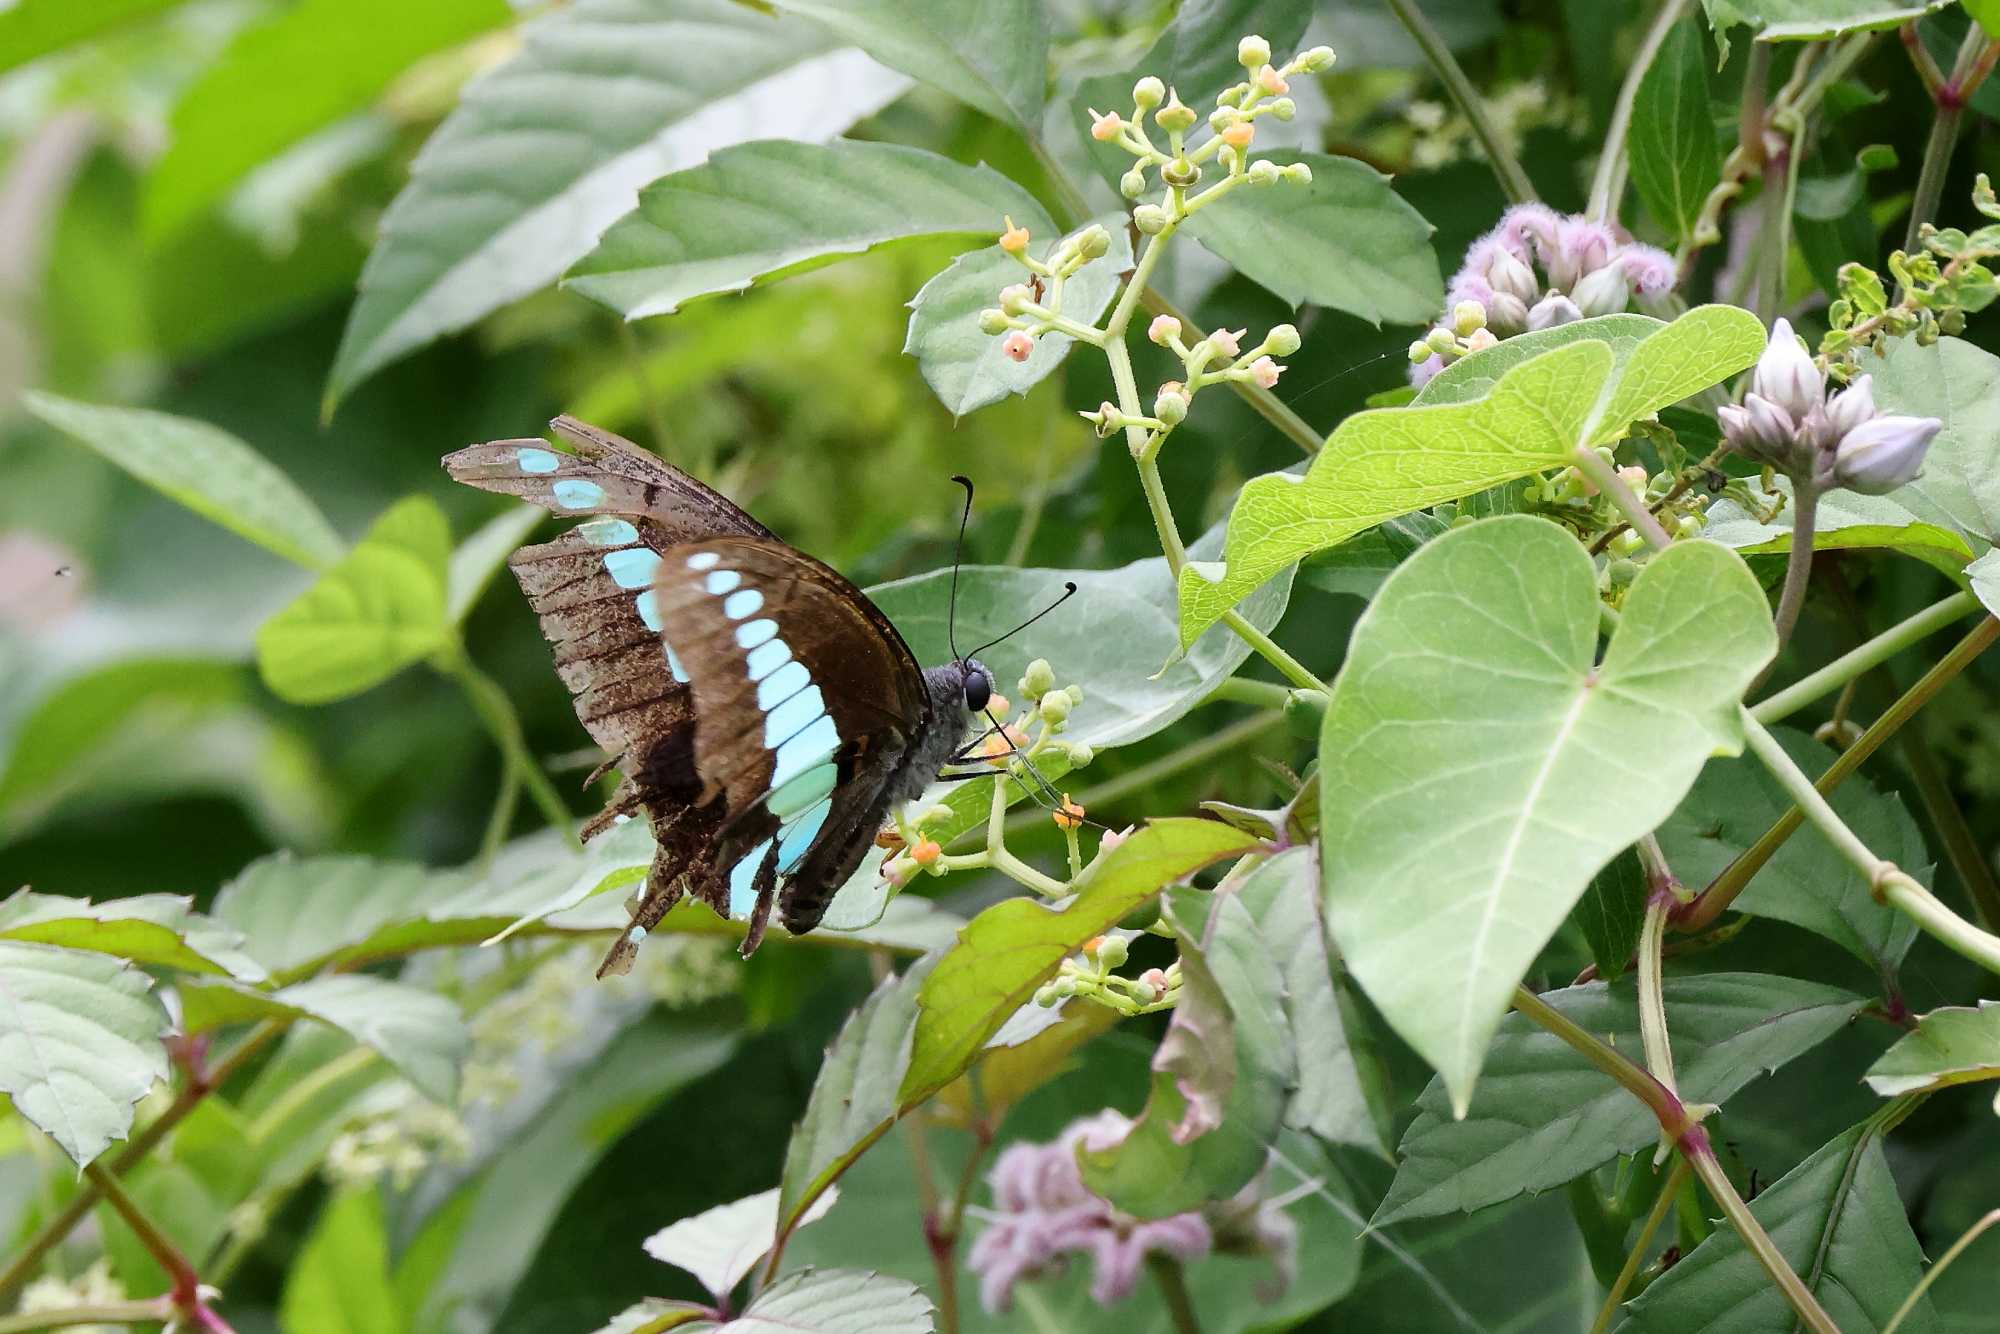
x=989 y=54
x=340 y=1281
x=1674 y=160
x=612 y=94
x=832 y=1301
x=79 y=1043
x=379 y=610
x=1837 y=1221
x=157 y=929
x=720 y=1246
x=761 y=211
x=1544 y=1115
x=285 y=76
x=419 y=1032
x=300 y=914
x=1612 y=912
x=1389 y=461
x=34 y=28
x=1951 y=1045
x=204 y=468
x=1812 y=20
x=1007 y=951
x=1345 y=240
x=481 y=556
x=1472 y=705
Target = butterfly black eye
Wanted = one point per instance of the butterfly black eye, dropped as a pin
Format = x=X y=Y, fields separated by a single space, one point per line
x=978 y=689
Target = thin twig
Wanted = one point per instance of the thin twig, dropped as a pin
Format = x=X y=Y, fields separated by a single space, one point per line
x=1663 y=1203
x=1605 y=186
x=1499 y=156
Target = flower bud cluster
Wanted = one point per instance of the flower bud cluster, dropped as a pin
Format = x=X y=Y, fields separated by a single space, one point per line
x=1948 y=278
x=1028 y=310
x=1093 y=976
x=1788 y=423
x=1222 y=350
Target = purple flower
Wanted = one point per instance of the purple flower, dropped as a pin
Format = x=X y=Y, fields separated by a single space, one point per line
x=1551 y=310
x=1581 y=247
x=1878 y=456
x=1852 y=406
x=1649 y=268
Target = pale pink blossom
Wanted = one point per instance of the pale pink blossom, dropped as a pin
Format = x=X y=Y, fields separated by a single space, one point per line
x=1018 y=345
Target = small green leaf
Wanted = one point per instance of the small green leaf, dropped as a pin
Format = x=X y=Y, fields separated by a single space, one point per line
x=479 y=557
x=382 y=608
x=340 y=1282
x=34 y=28
x=989 y=54
x=1675 y=162
x=1543 y=1114
x=419 y=1032
x=1986 y=13
x=79 y=1043
x=831 y=1301
x=1612 y=912
x=1952 y=1045
x=1984 y=575
x=759 y=212
x=1345 y=240
x=1812 y=20
x=1472 y=706
x=204 y=468
x=1007 y=951
x=720 y=1246
x=156 y=929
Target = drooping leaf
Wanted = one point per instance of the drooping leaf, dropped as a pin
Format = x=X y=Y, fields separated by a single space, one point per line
x=1389 y=461
x=284 y=77
x=157 y=929
x=1812 y=20
x=1472 y=706
x=720 y=1246
x=761 y=211
x=1346 y=240
x=1951 y=1045
x=35 y=28
x=79 y=1043
x=611 y=94
x=204 y=468
x=1837 y=1221
x=1671 y=144
x=419 y=1032
x=340 y=1282
x=1544 y=1115
x=832 y=1301
x=1032 y=1049
x=993 y=56
x=382 y=608
x=1612 y=912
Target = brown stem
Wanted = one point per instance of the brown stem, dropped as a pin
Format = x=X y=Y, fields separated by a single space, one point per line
x=1167 y=1272
x=186 y=1294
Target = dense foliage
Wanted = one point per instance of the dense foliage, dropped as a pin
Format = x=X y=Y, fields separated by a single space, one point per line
x=1517 y=462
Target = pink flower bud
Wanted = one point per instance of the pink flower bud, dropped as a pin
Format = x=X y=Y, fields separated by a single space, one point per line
x=1880 y=455
x=1506 y=272
x=1481 y=339
x=1226 y=343
x=1018 y=345
x=1239 y=134
x=1104 y=126
x=1264 y=373
x=1156 y=979
x=1786 y=374
x=1164 y=329
x=1270 y=82
x=1112 y=838
x=1649 y=269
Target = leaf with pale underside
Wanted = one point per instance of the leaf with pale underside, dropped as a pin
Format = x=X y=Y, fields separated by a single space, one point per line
x=1473 y=708
x=1843 y=521
x=1951 y=1045
x=1959 y=384
x=990 y=54
x=1984 y=576
x=157 y=929
x=1813 y=20
x=720 y=1246
x=832 y=1301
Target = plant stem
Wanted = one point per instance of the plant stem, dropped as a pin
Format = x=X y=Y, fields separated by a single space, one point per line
x=1293 y=670
x=1798 y=559
x=1196 y=753
x=1949 y=97
x=1911 y=899
x=1513 y=181
x=186 y=1295
x=1652 y=995
x=490 y=702
x=1663 y=1203
x=1243 y=690
x=1660 y=1100
x=1811 y=1315
x=156 y=1310
x=1606 y=479
x=1810 y=801
x=1852 y=664
x=1609 y=181
x=1167 y=1272
x=1968 y=859
x=1986 y=1220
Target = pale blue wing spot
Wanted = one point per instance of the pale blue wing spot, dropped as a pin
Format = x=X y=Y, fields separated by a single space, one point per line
x=648 y=606
x=633 y=567
x=674 y=664
x=803 y=791
x=537 y=460
x=721 y=581
x=743 y=602
x=752 y=633
x=767 y=658
x=608 y=532
x=576 y=494
x=816 y=744
x=636 y=935
x=796 y=839
x=742 y=881
x=703 y=560
x=791 y=717
x=782 y=684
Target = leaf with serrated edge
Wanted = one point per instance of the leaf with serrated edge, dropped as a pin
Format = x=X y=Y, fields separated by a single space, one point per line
x=1471 y=707
x=832 y=1301
x=161 y=929
x=1952 y=1045
x=1389 y=461
x=721 y=1245
x=79 y=1043
x=1813 y=20
x=1543 y=1114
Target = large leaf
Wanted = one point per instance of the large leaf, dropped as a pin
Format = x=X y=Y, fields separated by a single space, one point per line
x=720 y=1246
x=831 y=1301
x=282 y=78
x=1844 y=520
x=549 y=149
x=1959 y=384
x=1837 y=1221
x=1472 y=707
x=302 y=913
x=761 y=211
x=204 y=468
x=419 y=1032
x=1675 y=162
x=1813 y=20
x=990 y=54
x=1346 y=240
x=380 y=609
x=157 y=929
x=1390 y=461
x=1951 y=1045
x=34 y=28
x=340 y=1282
x=1007 y=951
x=1544 y=1115
x=1807 y=883
x=79 y=1043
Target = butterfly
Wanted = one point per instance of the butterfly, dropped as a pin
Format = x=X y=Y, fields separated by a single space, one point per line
x=765 y=715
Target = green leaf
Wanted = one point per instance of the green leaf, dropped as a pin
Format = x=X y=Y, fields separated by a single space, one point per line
x=339 y=1282
x=720 y=1246
x=655 y=1315
x=156 y=929
x=1843 y=521
x=1346 y=241
x=1986 y=13
x=1031 y=1050
x=762 y=211
x=1007 y=951
x=1807 y=883
x=1837 y=1221
x=204 y=468
x=1612 y=912
x=612 y=94
x=79 y=1043
x=1812 y=20
x=419 y=1032
x=965 y=367
x=479 y=557
x=286 y=76
x=1472 y=706
x=1675 y=162
x=1544 y=1115
x=1475 y=376
x=1960 y=384
x=1390 y=461
x=382 y=608
x=301 y=914
x=1952 y=1045
x=831 y=1301
x=1984 y=575
x=989 y=54
x=34 y=28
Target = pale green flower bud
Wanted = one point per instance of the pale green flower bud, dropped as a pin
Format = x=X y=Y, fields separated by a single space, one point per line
x=1151 y=219
x=1171 y=404
x=1420 y=352
x=1284 y=108
x=1298 y=173
x=1093 y=242
x=1147 y=93
x=1075 y=694
x=1038 y=680
x=1263 y=172
x=1315 y=60
x=1080 y=754
x=1113 y=952
x=1442 y=341
x=1054 y=708
x=1046 y=996
x=993 y=320
x=1253 y=51
x=1175 y=115
x=1283 y=340
x=1133 y=183
x=1467 y=316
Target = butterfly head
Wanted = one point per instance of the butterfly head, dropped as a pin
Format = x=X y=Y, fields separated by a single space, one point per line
x=978 y=684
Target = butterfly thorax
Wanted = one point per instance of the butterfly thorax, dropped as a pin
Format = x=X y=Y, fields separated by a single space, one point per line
x=951 y=716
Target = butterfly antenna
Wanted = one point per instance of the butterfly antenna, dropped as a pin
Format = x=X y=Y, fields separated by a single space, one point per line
x=958 y=559
x=1069 y=591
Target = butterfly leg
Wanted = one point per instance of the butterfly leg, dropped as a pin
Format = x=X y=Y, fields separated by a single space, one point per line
x=766 y=886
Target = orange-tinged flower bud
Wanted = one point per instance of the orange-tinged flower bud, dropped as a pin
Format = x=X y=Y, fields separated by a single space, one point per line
x=926 y=853
x=1015 y=239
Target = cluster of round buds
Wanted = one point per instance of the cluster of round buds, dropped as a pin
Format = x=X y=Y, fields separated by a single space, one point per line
x=1092 y=975
x=1788 y=422
x=1462 y=335
x=1219 y=358
x=1030 y=309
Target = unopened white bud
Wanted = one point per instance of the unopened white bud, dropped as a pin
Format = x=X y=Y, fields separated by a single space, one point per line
x=1786 y=373
x=1880 y=455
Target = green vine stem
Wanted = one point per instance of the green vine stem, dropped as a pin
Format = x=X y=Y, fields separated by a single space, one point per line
x=1266 y=403
x=1606 y=479
x=1663 y=1203
x=1608 y=184
x=187 y=1297
x=490 y=702
x=156 y=1310
x=1973 y=63
x=1876 y=651
x=1499 y=156
x=1706 y=1166
x=1986 y=1220
x=1798 y=559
